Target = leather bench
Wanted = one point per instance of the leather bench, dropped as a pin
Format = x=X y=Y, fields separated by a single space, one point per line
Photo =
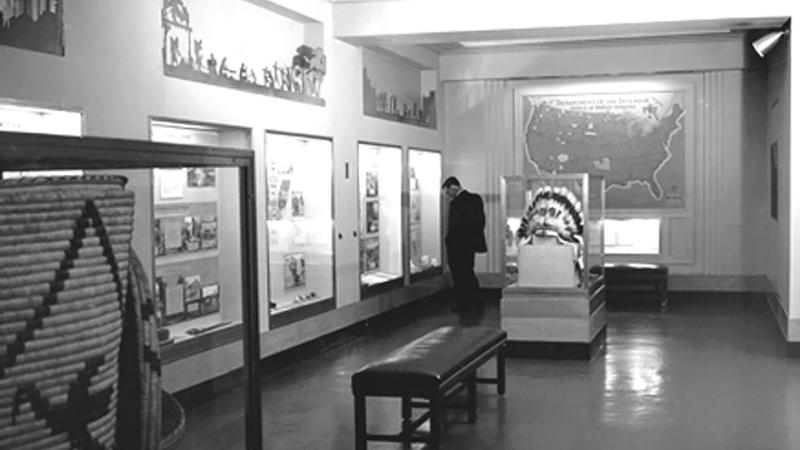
x=426 y=373
x=627 y=276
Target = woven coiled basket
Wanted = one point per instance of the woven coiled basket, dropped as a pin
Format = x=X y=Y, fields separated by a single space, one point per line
x=64 y=261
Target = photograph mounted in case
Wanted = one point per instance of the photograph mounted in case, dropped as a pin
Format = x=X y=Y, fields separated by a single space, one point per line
x=372 y=183
x=210 y=296
x=373 y=216
x=298 y=204
x=171 y=182
x=168 y=235
x=208 y=232
x=294 y=270
x=370 y=254
x=201 y=177
x=415 y=213
x=191 y=234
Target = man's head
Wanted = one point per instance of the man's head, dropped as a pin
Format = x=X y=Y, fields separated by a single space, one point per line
x=451 y=187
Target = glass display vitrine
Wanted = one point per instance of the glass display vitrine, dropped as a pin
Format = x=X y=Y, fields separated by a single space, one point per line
x=300 y=226
x=424 y=214
x=554 y=305
x=113 y=225
x=553 y=229
x=380 y=215
x=195 y=248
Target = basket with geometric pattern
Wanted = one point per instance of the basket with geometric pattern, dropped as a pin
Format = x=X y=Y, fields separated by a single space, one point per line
x=64 y=262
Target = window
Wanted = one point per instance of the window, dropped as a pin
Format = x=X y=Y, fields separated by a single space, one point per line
x=632 y=236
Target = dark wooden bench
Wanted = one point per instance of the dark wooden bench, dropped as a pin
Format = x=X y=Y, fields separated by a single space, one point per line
x=627 y=276
x=426 y=373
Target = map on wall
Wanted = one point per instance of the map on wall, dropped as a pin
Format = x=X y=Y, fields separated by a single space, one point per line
x=635 y=140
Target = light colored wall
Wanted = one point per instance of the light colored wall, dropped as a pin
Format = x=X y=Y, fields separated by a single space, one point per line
x=775 y=234
x=710 y=235
x=113 y=72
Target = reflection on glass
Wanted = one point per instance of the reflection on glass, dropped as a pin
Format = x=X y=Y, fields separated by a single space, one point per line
x=424 y=185
x=299 y=222
x=548 y=240
x=380 y=213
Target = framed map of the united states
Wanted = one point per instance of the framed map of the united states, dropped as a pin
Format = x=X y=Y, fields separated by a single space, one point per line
x=635 y=139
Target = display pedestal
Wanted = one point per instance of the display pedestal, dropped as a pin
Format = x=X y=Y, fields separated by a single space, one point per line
x=557 y=323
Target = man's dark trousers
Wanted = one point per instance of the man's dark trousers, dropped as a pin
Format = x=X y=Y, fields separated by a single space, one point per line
x=465 y=283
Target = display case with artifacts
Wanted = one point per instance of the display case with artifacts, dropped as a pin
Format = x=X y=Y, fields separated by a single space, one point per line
x=553 y=234
x=194 y=229
x=119 y=332
x=380 y=201
x=424 y=216
x=300 y=227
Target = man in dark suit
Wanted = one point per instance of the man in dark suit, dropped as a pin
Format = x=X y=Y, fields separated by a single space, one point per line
x=465 y=224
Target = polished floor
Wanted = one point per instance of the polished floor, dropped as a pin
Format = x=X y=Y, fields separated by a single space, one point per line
x=707 y=372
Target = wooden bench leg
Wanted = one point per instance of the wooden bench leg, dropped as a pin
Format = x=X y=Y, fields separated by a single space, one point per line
x=437 y=417
x=501 y=371
x=662 y=291
x=361 y=422
x=406 y=413
x=472 y=398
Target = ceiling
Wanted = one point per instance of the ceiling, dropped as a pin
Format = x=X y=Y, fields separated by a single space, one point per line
x=468 y=41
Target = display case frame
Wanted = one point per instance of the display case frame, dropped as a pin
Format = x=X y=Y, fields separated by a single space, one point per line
x=395 y=280
x=325 y=303
x=223 y=329
x=23 y=152
x=434 y=186
x=553 y=309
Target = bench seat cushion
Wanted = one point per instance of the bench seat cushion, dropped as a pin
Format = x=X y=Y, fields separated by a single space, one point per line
x=419 y=367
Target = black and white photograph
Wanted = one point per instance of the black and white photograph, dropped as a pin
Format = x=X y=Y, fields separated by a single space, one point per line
x=201 y=177
x=370 y=254
x=298 y=204
x=294 y=270
x=373 y=210
x=372 y=183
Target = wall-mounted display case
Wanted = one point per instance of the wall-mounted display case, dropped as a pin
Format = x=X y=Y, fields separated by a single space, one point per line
x=424 y=212
x=553 y=236
x=193 y=229
x=300 y=226
x=380 y=216
x=235 y=296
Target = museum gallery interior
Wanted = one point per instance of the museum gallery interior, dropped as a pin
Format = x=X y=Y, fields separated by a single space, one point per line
x=222 y=225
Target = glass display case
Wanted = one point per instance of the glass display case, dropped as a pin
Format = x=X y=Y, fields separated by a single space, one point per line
x=195 y=242
x=553 y=304
x=380 y=215
x=121 y=194
x=553 y=230
x=300 y=226
x=424 y=212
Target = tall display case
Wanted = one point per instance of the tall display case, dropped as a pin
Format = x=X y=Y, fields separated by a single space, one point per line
x=424 y=213
x=553 y=235
x=133 y=163
x=380 y=217
x=195 y=249
x=300 y=226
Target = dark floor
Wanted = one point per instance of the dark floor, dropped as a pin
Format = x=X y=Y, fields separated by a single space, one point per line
x=707 y=372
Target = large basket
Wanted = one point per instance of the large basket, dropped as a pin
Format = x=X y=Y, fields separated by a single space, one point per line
x=64 y=258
